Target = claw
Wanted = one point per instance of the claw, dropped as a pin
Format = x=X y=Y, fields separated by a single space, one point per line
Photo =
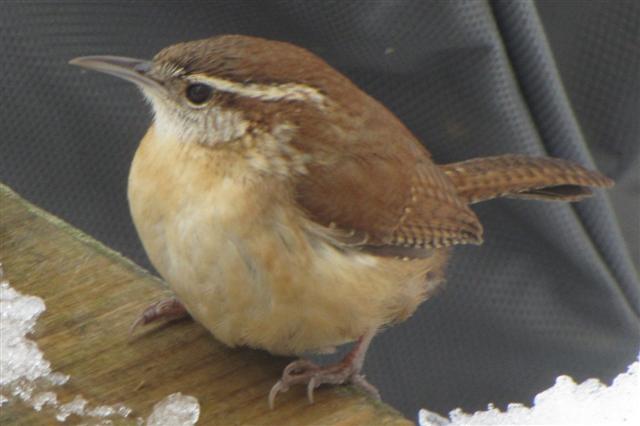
x=168 y=309
x=141 y=320
x=296 y=372
x=311 y=386
x=297 y=368
x=275 y=390
x=313 y=376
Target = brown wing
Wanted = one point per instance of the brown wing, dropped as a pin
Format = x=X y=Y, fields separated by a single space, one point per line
x=388 y=200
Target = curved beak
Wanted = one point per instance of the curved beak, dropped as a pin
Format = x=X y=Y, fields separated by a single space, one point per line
x=130 y=69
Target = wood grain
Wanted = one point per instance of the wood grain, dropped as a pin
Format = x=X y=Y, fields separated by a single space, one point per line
x=92 y=296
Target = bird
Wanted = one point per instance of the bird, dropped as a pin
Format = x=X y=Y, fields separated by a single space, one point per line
x=290 y=211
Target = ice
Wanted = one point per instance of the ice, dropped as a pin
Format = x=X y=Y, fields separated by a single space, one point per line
x=21 y=357
x=109 y=410
x=57 y=379
x=175 y=410
x=22 y=389
x=588 y=403
x=44 y=398
x=24 y=372
x=76 y=406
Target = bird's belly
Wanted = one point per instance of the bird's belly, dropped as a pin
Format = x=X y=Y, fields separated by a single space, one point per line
x=268 y=286
x=246 y=268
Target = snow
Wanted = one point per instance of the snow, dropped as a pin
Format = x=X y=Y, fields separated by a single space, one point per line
x=21 y=357
x=77 y=406
x=175 y=410
x=26 y=376
x=566 y=403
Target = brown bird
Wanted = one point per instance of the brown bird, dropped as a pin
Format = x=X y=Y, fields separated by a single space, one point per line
x=290 y=211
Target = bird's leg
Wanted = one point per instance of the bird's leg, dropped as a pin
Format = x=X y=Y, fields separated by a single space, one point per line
x=308 y=373
x=164 y=309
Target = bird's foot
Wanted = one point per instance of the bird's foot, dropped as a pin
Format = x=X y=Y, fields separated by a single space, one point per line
x=167 y=309
x=307 y=373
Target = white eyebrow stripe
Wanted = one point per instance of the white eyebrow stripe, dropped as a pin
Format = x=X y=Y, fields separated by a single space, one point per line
x=171 y=70
x=265 y=92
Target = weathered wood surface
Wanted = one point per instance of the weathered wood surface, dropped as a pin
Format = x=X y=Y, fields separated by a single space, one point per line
x=92 y=296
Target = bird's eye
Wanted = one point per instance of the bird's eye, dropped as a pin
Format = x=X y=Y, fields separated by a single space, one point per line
x=199 y=93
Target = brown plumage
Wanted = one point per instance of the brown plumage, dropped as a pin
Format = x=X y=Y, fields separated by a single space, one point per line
x=520 y=176
x=292 y=212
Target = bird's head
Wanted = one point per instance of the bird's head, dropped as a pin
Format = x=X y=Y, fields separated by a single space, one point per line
x=216 y=90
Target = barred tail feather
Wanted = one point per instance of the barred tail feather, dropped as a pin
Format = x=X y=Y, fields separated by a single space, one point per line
x=521 y=176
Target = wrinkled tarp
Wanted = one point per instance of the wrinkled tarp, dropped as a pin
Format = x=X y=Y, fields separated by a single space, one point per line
x=552 y=291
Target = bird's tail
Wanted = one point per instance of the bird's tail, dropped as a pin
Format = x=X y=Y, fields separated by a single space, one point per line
x=520 y=176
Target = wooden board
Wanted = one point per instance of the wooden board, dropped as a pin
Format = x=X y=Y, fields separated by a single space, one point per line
x=93 y=294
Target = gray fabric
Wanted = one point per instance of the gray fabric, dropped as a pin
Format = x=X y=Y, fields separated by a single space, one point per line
x=553 y=289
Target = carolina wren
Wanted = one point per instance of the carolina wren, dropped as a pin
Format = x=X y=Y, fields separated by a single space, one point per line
x=290 y=211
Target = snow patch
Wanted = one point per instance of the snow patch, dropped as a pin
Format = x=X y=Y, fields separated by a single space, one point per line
x=176 y=409
x=25 y=375
x=587 y=403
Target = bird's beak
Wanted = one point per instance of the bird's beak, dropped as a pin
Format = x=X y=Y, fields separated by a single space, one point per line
x=130 y=69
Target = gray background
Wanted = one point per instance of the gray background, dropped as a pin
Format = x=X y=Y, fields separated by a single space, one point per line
x=552 y=291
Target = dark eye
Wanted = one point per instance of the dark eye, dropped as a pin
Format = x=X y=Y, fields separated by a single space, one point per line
x=199 y=93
